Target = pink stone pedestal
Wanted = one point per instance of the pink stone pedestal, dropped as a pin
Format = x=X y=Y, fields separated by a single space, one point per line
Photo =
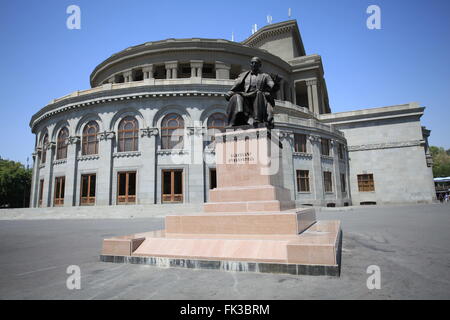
x=250 y=223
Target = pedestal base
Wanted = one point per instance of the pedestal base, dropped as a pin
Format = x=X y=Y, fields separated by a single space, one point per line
x=295 y=244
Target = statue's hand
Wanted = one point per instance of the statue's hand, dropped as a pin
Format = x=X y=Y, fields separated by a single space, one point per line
x=228 y=95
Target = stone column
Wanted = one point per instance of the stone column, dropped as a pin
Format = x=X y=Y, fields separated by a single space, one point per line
x=196 y=172
x=222 y=70
x=71 y=172
x=171 y=69
x=34 y=192
x=337 y=172
x=317 y=174
x=47 y=194
x=127 y=75
x=313 y=96
x=281 y=91
x=147 y=176
x=148 y=71
x=289 y=174
x=104 y=178
x=196 y=68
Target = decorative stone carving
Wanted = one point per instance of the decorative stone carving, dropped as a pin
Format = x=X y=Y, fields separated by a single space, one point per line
x=73 y=140
x=314 y=139
x=172 y=151
x=60 y=161
x=128 y=154
x=88 y=157
x=149 y=132
x=198 y=131
x=105 y=135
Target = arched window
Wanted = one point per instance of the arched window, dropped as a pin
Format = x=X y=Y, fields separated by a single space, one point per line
x=44 y=145
x=128 y=134
x=61 y=144
x=216 y=124
x=172 y=131
x=90 y=140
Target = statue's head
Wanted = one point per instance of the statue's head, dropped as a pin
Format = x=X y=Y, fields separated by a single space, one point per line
x=255 y=64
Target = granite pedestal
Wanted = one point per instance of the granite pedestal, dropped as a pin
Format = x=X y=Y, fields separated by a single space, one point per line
x=250 y=223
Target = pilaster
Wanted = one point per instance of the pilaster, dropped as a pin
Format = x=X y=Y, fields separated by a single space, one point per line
x=147 y=176
x=71 y=172
x=104 y=179
x=317 y=169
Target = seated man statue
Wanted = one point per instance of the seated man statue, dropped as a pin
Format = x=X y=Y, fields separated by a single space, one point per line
x=251 y=99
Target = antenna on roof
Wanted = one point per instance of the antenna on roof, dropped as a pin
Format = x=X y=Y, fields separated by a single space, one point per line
x=289 y=12
x=269 y=19
x=254 y=28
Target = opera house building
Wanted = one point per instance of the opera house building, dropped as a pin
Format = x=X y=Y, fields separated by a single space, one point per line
x=144 y=132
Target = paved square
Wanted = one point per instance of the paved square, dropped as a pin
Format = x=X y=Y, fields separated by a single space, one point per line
x=410 y=244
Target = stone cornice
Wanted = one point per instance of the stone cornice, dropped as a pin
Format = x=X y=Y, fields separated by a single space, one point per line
x=389 y=145
x=341 y=118
x=121 y=94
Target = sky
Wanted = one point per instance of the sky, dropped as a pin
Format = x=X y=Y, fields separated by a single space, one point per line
x=407 y=60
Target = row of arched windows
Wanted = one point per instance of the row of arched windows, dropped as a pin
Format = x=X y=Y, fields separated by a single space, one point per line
x=172 y=133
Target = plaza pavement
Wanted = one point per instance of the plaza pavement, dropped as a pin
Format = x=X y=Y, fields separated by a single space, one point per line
x=410 y=244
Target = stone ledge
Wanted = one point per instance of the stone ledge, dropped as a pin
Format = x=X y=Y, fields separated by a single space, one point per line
x=233 y=266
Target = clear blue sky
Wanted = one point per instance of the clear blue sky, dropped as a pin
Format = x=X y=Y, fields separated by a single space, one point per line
x=407 y=60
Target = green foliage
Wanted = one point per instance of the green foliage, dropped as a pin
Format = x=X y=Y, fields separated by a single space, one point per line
x=441 y=161
x=15 y=183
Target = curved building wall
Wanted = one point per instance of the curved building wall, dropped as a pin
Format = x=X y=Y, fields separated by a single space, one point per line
x=150 y=159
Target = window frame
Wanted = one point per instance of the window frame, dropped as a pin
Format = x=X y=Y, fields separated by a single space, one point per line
x=366 y=185
x=122 y=132
x=177 y=131
x=61 y=144
x=305 y=179
x=86 y=143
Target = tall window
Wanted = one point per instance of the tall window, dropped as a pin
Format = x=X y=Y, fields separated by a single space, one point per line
x=365 y=182
x=59 y=191
x=299 y=142
x=90 y=140
x=172 y=131
x=343 y=184
x=61 y=143
x=41 y=191
x=172 y=185
x=303 y=180
x=341 y=151
x=325 y=146
x=328 y=185
x=44 y=145
x=126 y=187
x=216 y=124
x=88 y=189
x=128 y=134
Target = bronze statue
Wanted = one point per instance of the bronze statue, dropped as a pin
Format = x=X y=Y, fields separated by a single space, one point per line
x=252 y=98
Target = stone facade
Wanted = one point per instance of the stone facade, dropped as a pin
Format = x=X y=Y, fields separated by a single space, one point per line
x=188 y=78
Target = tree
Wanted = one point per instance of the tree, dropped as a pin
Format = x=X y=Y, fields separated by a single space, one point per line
x=15 y=183
x=441 y=161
